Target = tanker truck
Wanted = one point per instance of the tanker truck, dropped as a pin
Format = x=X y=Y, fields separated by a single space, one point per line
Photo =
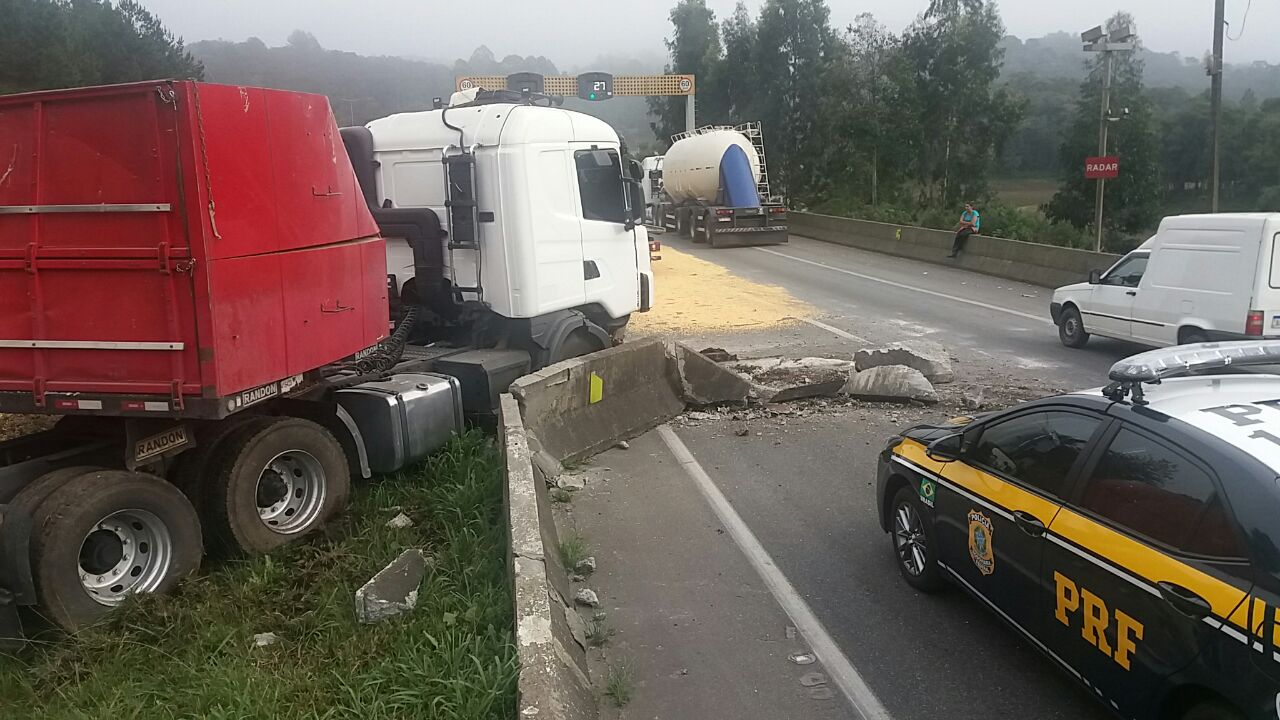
x=715 y=189
x=195 y=278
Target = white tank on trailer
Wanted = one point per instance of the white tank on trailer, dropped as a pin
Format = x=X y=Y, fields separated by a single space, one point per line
x=691 y=168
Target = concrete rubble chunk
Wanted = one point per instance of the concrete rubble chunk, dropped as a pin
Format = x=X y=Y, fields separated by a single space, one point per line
x=778 y=380
x=892 y=383
x=577 y=627
x=974 y=399
x=572 y=483
x=400 y=521
x=264 y=639
x=587 y=598
x=703 y=381
x=718 y=354
x=394 y=590
x=586 y=565
x=930 y=359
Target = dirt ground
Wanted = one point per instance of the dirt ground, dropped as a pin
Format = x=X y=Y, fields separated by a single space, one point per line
x=12 y=426
x=696 y=296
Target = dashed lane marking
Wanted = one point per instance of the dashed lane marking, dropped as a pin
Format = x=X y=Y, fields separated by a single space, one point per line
x=913 y=288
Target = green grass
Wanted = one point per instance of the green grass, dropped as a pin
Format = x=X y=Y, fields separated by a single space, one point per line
x=1024 y=192
x=620 y=683
x=191 y=654
x=572 y=550
x=598 y=631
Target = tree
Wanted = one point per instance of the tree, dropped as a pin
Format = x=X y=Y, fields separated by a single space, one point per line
x=793 y=46
x=1132 y=203
x=732 y=84
x=955 y=55
x=64 y=43
x=694 y=48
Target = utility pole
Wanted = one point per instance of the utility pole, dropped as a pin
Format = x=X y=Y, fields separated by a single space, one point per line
x=1103 y=116
x=1099 y=41
x=1215 y=97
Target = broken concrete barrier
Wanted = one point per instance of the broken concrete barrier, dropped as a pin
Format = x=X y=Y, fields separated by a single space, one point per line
x=930 y=359
x=893 y=383
x=394 y=590
x=778 y=380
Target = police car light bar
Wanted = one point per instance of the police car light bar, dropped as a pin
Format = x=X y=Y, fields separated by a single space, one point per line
x=1155 y=365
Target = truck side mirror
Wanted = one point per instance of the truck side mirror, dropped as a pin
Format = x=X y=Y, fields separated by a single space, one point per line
x=634 y=170
x=1095 y=277
x=635 y=204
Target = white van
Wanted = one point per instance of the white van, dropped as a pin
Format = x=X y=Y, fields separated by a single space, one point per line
x=1200 y=278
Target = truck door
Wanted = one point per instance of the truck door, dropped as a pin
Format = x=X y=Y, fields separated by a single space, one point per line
x=608 y=247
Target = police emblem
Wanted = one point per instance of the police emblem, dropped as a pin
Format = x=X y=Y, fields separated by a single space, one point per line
x=980 y=542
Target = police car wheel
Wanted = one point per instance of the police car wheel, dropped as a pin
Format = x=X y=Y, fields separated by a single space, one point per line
x=1071 y=329
x=913 y=543
x=1212 y=710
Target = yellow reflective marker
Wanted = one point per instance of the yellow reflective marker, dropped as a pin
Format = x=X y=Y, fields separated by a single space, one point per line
x=597 y=389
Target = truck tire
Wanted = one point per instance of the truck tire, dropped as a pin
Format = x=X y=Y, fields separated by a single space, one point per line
x=30 y=497
x=579 y=343
x=106 y=534
x=272 y=481
x=191 y=469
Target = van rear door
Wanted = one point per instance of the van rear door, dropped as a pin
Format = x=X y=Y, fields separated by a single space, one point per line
x=1266 y=297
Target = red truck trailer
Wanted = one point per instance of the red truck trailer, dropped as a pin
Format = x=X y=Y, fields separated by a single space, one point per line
x=191 y=274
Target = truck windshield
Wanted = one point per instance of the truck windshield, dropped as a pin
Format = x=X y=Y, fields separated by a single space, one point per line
x=600 y=184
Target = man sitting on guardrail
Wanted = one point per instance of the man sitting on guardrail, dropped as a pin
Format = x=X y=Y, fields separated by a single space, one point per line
x=970 y=221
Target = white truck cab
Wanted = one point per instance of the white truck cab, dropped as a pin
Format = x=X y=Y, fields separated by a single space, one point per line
x=552 y=229
x=1199 y=278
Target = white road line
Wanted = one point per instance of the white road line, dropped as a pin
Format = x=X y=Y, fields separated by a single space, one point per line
x=904 y=286
x=834 y=330
x=842 y=672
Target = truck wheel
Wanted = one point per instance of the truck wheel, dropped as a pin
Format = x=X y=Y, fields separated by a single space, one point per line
x=106 y=534
x=1071 y=329
x=30 y=497
x=274 y=480
x=579 y=343
x=192 y=468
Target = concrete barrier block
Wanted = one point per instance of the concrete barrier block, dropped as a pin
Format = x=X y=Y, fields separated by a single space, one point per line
x=553 y=681
x=703 y=381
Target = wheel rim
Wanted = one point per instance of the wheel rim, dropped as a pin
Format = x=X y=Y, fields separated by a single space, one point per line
x=1071 y=326
x=129 y=551
x=291 y=492
x=908 y=538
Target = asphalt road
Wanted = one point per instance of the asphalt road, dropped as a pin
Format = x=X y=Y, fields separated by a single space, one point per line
x=804 y=486
x=989 y=323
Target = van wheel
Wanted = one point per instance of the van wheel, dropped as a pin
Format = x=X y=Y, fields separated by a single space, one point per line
x=105 y=535
x=274 y=480
x=1071 y=329
x=1192 y=336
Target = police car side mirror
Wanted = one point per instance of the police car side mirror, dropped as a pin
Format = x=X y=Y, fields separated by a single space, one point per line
x=1095 y=277
x=945 y=449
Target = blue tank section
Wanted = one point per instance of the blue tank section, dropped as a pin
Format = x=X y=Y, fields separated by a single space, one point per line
x=737 y=183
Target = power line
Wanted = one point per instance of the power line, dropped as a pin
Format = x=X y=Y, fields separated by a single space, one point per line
x=1243 y=20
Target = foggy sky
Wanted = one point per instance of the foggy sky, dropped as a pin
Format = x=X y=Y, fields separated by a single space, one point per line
x=573 y=33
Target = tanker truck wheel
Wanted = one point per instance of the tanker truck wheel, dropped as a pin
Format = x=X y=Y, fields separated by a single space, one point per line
x=104 y=535
x=273 y=480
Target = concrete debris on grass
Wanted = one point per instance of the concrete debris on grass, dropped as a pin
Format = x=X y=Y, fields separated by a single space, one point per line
x=587 y=597
x=264 y=639
x=394 y=590
x=930 y=359
x=400 y=522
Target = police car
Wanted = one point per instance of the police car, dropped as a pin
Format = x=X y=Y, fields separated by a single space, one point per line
x=1131 y=533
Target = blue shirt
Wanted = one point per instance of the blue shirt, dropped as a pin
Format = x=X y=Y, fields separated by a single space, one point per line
x=973 y=217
